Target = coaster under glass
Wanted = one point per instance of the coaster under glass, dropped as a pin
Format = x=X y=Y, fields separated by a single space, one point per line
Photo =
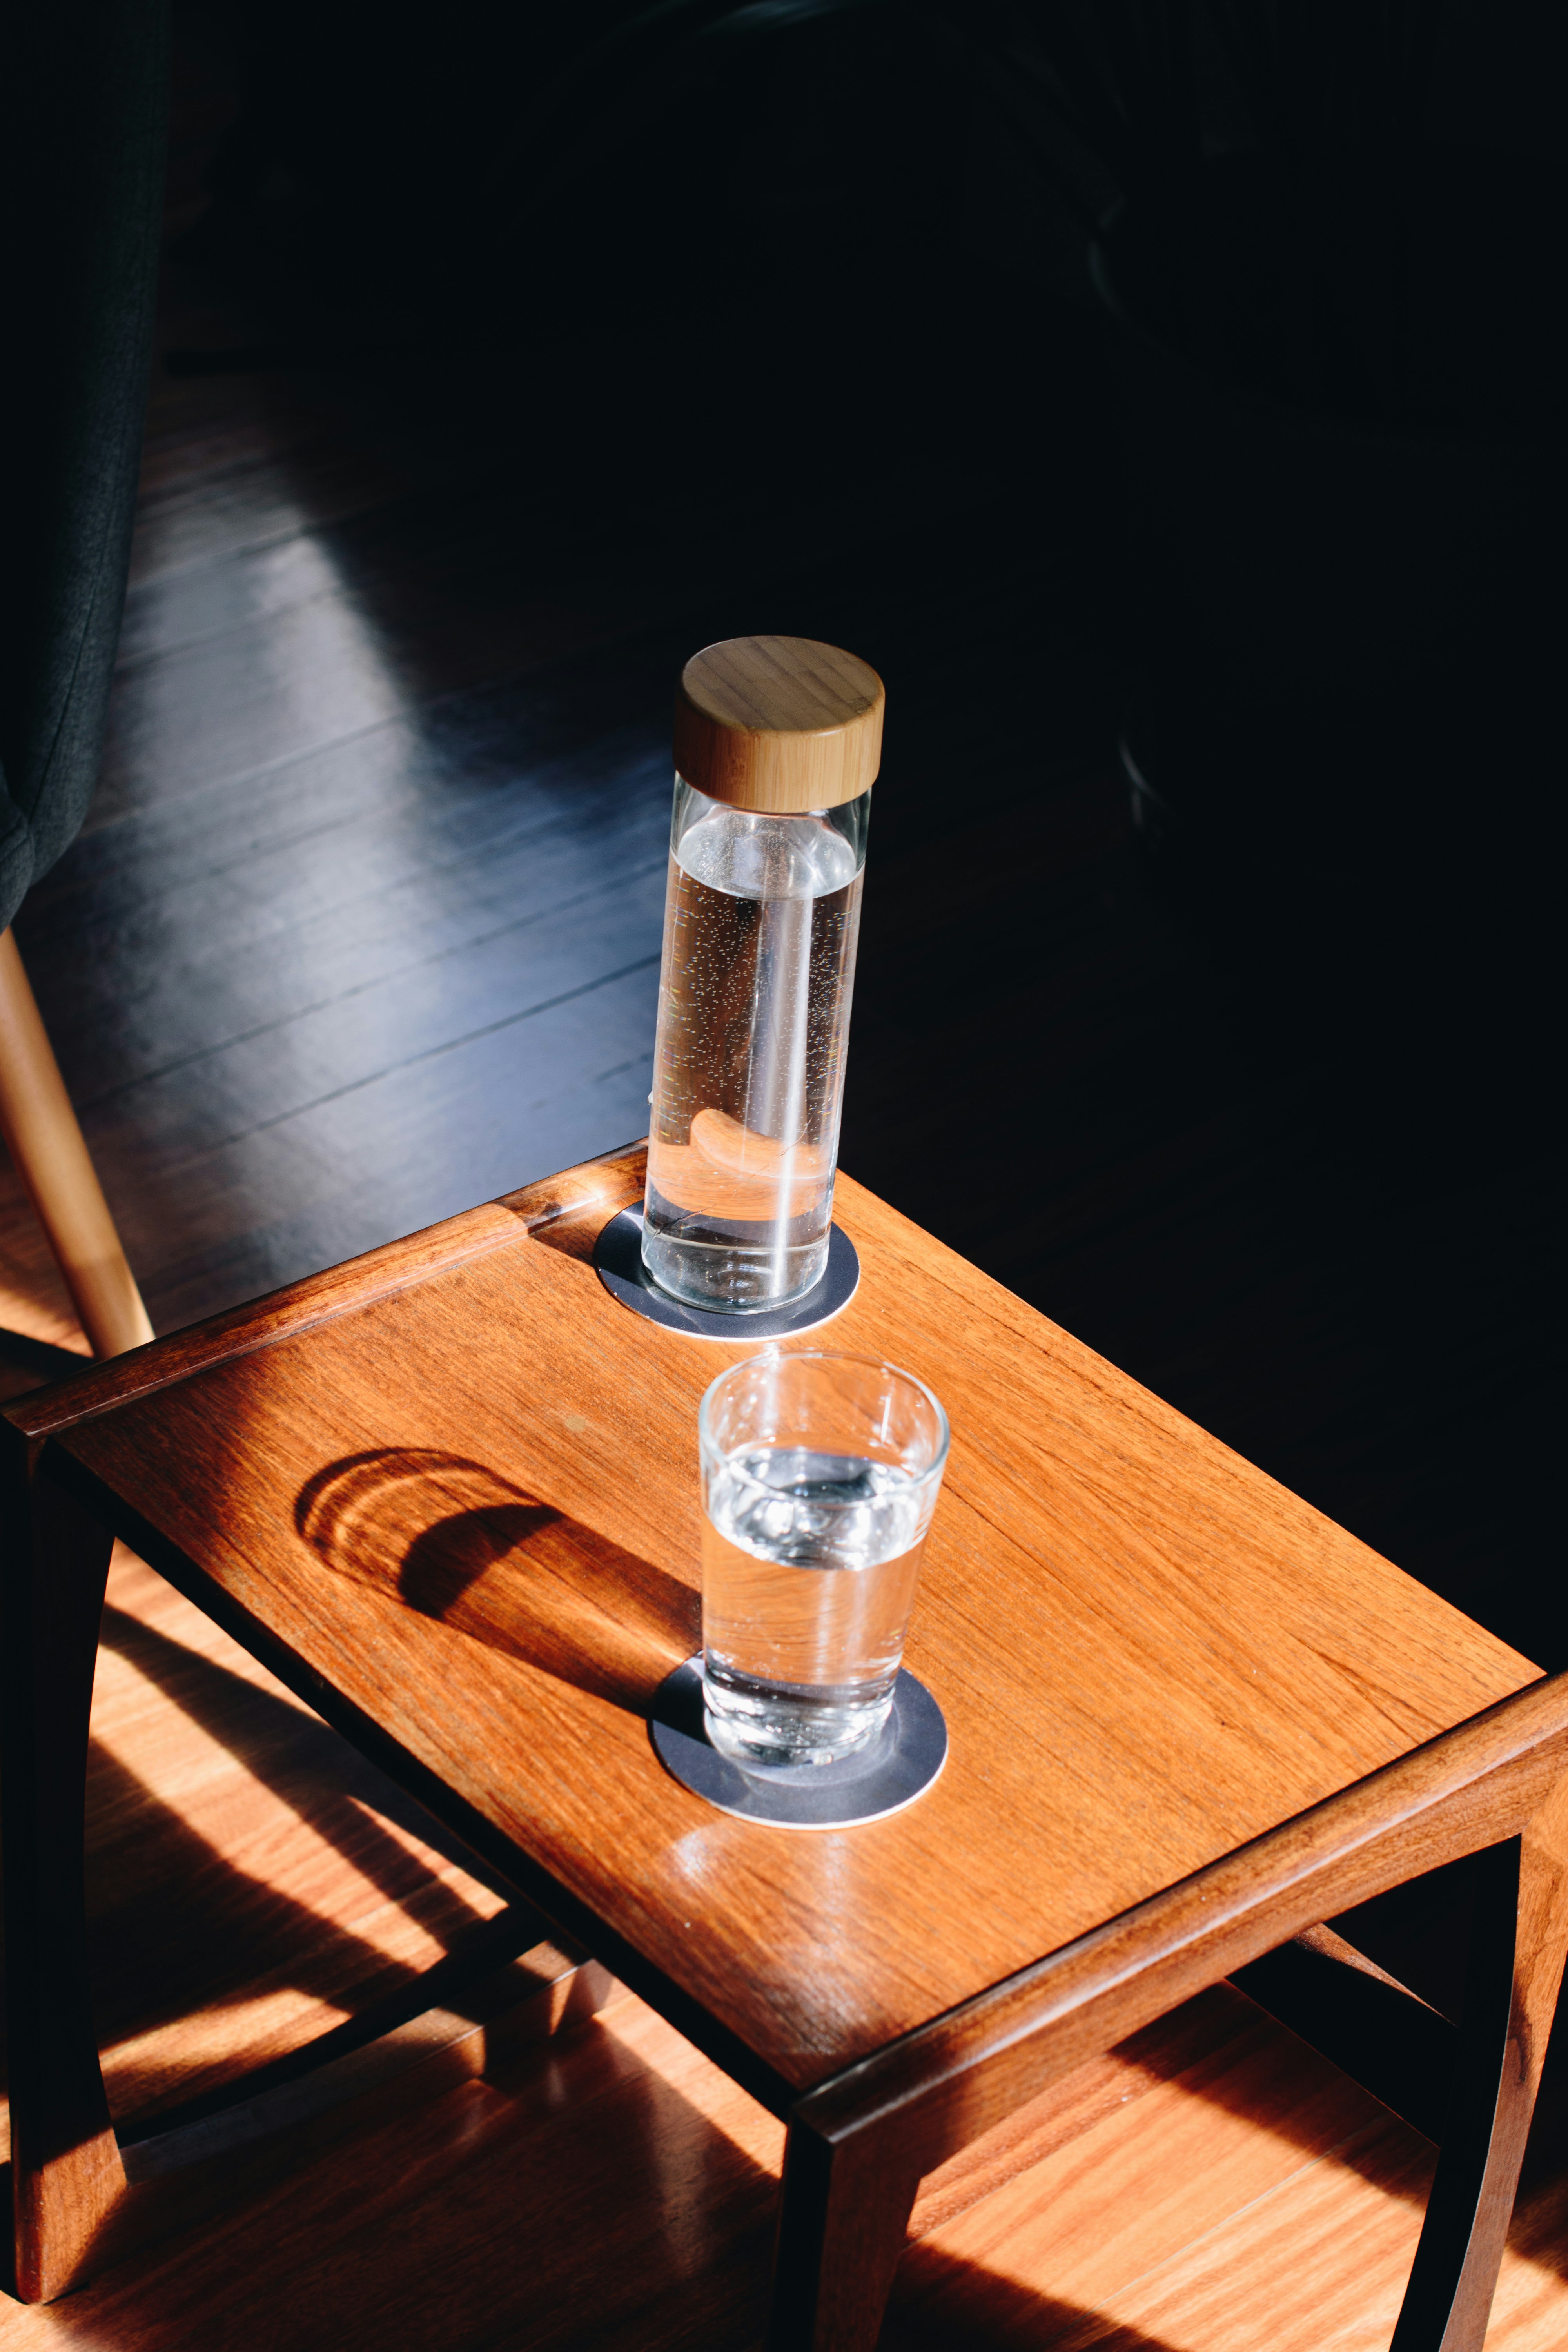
x=890 y=1771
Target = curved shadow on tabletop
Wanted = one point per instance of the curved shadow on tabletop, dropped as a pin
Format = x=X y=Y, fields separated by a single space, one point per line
x=462 y=1546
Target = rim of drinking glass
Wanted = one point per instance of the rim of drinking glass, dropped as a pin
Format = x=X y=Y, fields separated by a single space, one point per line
x=708 y=1444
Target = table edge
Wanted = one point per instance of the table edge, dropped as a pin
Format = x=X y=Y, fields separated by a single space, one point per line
x=1425 y=1809
x=611 y=1179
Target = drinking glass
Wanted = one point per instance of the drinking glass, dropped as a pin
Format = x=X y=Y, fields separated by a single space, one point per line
x=820 y=1473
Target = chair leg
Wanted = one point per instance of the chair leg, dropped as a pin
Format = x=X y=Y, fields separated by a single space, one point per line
x=1511 y=1994
x=46 y=1142
x=67 y=2177
x=842 y=2226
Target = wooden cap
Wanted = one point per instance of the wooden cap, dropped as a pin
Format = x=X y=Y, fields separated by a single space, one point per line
x=778 y=723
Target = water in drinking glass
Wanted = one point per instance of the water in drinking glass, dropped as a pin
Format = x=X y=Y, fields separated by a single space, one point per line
x=810 y=1562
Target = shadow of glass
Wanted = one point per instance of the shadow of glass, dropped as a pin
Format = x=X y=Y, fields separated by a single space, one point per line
x=465 y=1549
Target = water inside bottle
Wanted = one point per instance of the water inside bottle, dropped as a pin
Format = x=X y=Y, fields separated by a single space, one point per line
x=759 y=957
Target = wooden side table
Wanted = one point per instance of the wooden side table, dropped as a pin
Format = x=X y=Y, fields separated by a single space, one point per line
x=448 y=1493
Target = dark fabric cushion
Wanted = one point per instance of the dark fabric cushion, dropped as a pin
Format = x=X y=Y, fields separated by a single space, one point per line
x=83 y=111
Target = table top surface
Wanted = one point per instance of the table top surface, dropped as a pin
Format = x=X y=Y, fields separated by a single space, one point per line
x=471 y=1504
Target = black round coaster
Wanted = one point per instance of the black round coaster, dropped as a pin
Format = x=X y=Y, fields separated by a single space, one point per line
x=617 y=1260
x=901 y=1764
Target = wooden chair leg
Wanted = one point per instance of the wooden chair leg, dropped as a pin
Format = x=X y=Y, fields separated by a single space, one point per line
x=1511 y=1995
x=843 y=2222
x=66 y=2177
x=46 y=1142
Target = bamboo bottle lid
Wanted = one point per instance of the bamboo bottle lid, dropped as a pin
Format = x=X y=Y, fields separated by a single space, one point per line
x=779 y=723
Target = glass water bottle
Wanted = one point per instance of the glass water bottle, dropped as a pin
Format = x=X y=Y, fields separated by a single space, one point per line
x=778 y=740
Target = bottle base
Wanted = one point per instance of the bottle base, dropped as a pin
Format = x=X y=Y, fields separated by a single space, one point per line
x=619 y=1264
x=733 y=1279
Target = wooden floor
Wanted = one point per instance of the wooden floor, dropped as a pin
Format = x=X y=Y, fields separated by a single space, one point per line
x=364 y=928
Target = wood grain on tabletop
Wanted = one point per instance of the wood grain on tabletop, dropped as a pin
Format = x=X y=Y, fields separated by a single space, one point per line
x=1147 y=1652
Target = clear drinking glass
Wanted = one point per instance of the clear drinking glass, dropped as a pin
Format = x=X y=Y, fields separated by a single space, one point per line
x=820 y=1473
x=760 y=929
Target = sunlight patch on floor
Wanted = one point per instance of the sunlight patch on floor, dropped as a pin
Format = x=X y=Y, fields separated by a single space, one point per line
x=722 y=2103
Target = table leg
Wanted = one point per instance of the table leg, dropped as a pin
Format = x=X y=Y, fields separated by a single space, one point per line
x=66 y=2177
x=1511 y=1995
x=842 y=2226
